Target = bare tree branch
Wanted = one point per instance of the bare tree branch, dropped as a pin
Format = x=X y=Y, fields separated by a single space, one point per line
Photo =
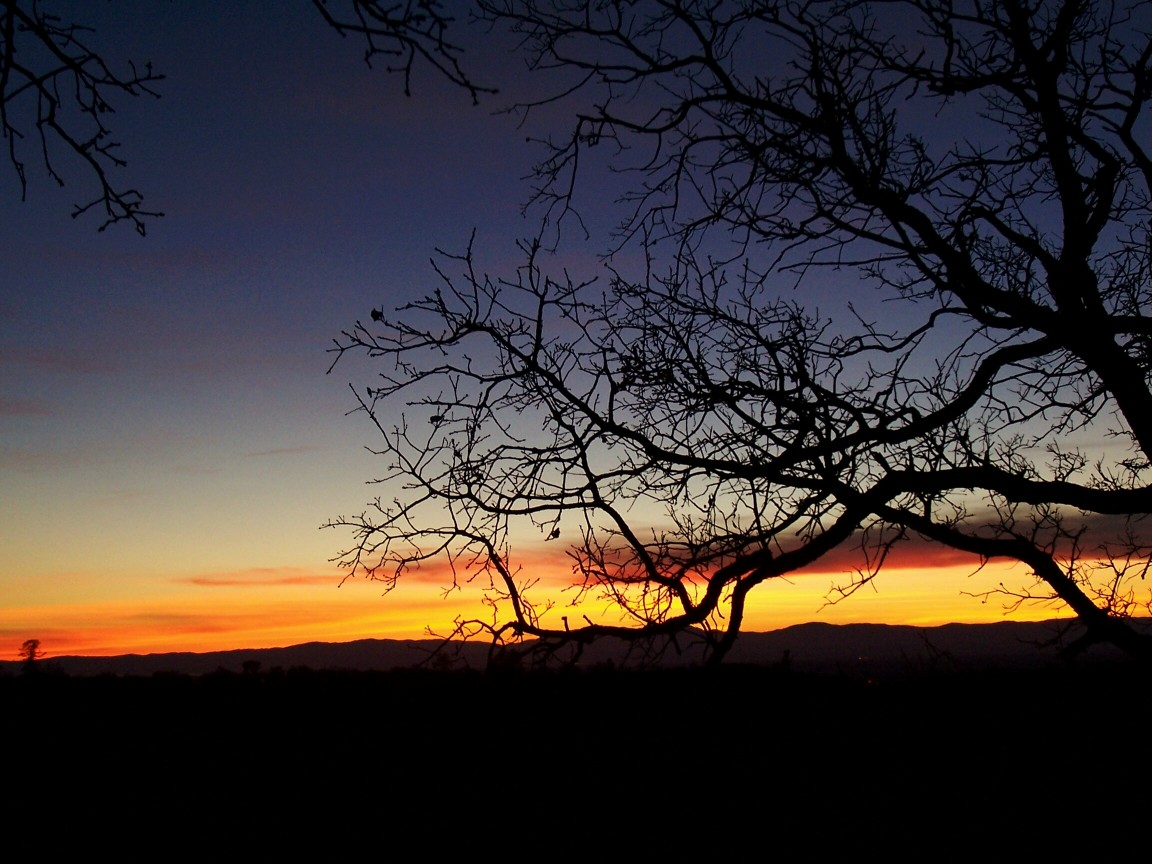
x=56 y=97
x=972 y=178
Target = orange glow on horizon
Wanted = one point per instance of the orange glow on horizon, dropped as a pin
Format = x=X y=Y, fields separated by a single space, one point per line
x=270 y=607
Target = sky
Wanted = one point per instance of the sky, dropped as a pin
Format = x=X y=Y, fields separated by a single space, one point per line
x=170 y=440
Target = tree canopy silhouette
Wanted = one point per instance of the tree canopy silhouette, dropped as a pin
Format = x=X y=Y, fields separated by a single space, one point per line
x=968 y=185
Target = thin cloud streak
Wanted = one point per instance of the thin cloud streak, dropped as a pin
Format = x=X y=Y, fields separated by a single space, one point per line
x=257 y=581
x=20 y=407
x=282 y=451
x=62 y=361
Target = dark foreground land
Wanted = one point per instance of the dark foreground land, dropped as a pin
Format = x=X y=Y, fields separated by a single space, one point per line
x=740 y=763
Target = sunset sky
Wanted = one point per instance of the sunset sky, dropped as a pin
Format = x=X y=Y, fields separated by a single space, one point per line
x=170 y=442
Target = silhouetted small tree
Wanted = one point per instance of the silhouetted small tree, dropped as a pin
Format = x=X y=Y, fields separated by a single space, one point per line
x=882 y=273
x=30 y=655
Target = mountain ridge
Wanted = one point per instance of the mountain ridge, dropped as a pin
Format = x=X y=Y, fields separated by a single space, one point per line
x=857 y=650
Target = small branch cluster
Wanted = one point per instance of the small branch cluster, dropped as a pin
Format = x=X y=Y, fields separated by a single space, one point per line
x=56 y=95
x=403 y=33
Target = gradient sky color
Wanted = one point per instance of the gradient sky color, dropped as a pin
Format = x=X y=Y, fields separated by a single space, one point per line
x=169 y=440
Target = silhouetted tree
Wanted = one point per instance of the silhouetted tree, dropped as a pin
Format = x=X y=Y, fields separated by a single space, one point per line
x=30 y=655
x=967 y=184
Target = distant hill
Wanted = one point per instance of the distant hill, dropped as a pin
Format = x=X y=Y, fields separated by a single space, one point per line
x=855 y=650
